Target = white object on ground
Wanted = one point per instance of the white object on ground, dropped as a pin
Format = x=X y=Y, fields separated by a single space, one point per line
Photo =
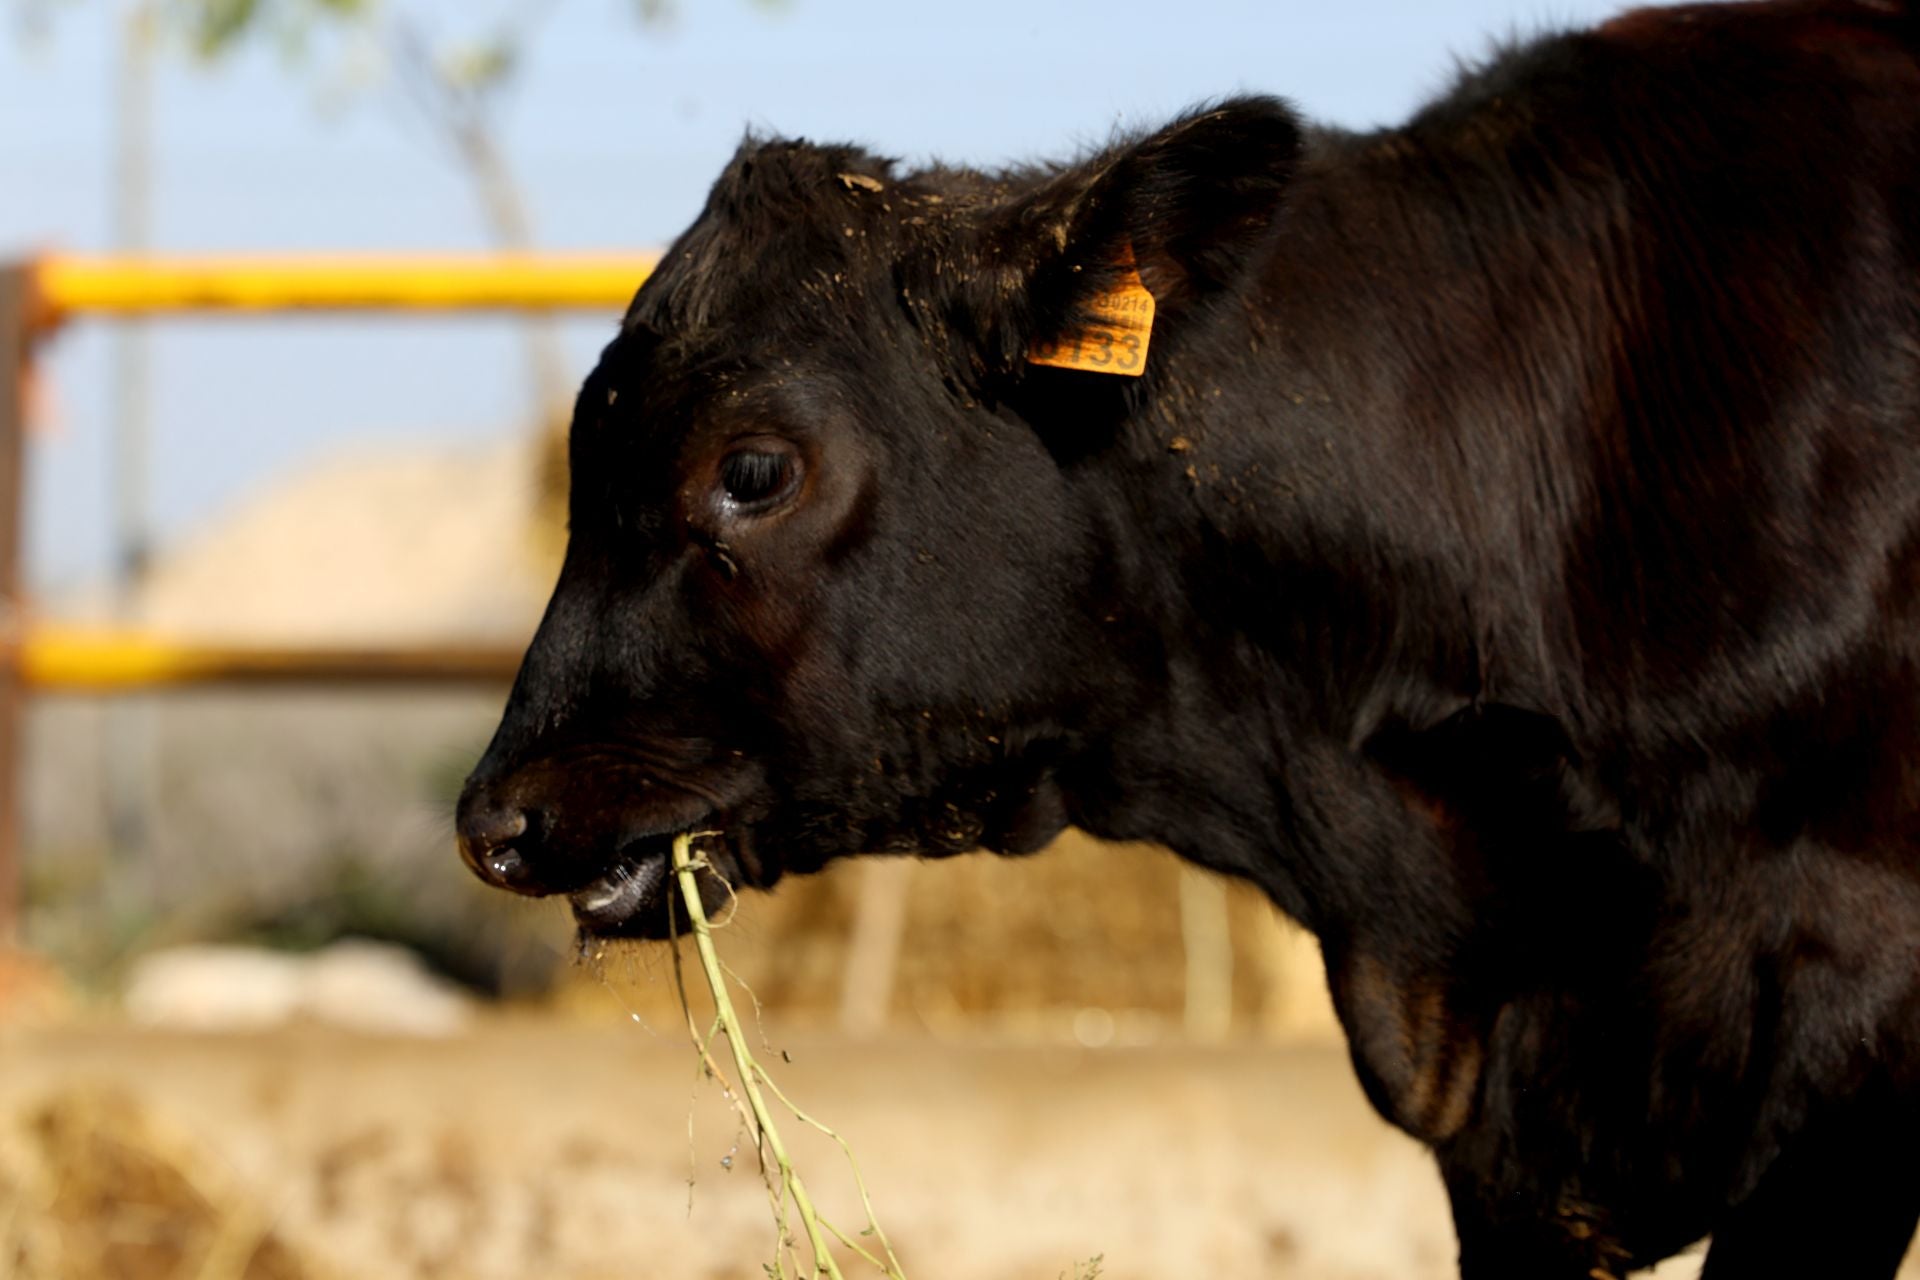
x=357 y=984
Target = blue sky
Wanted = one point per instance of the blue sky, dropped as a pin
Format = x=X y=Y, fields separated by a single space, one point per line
x=615 y=131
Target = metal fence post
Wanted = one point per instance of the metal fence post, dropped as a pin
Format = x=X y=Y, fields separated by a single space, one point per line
x=15 y=350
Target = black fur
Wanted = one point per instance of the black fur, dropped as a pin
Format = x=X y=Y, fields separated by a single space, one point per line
x=1509 y=561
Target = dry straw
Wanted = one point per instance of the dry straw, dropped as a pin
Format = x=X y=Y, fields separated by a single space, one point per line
x=783 y=1181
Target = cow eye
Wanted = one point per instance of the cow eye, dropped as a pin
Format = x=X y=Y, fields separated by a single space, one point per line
x=753 y=476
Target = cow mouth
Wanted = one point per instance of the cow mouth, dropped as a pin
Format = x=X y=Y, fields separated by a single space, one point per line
x=634 y=883
x=635 y=896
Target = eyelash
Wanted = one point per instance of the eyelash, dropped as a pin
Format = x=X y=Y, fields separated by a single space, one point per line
x=753 y=476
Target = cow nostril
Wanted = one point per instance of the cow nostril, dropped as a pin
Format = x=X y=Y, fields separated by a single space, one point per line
x=504 y=865
x=488 y=839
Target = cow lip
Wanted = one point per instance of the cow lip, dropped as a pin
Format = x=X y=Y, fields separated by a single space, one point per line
x=635 y=884
x=629 y=887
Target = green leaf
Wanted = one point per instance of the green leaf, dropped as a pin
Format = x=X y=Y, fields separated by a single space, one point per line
x=214 y=27
x=480 y=66
x=216 y=24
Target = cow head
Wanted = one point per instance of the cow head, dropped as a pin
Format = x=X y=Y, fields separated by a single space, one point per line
x=844 y=574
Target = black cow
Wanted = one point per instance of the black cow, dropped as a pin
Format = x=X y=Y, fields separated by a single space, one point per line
x=1505 y=552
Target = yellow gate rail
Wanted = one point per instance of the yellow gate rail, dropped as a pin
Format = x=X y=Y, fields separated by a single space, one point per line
x=108 y=284
x=70 y=659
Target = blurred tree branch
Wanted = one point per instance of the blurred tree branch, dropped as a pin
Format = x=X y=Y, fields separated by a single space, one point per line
x=453 y=82
x=451 y=78
x=455 y=87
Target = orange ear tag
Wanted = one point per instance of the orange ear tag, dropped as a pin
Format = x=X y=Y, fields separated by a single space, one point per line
x=1116 y=340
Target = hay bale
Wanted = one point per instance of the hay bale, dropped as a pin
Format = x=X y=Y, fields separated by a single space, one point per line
x=120 y=1199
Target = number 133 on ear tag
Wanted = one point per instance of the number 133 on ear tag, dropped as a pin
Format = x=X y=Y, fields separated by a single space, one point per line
x=1114 y=340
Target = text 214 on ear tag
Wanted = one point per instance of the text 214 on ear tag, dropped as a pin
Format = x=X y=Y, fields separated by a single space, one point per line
x=1115 y=341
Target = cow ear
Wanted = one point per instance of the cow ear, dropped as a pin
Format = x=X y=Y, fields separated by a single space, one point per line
x=1189 y=207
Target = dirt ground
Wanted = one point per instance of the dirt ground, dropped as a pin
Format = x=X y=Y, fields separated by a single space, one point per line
x=537 y=1148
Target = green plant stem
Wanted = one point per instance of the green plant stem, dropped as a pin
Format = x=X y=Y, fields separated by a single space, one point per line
x=891 y=1267
x=684 y=869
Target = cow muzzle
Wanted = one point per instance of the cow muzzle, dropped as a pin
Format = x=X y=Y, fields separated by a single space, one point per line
x=600 y=835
